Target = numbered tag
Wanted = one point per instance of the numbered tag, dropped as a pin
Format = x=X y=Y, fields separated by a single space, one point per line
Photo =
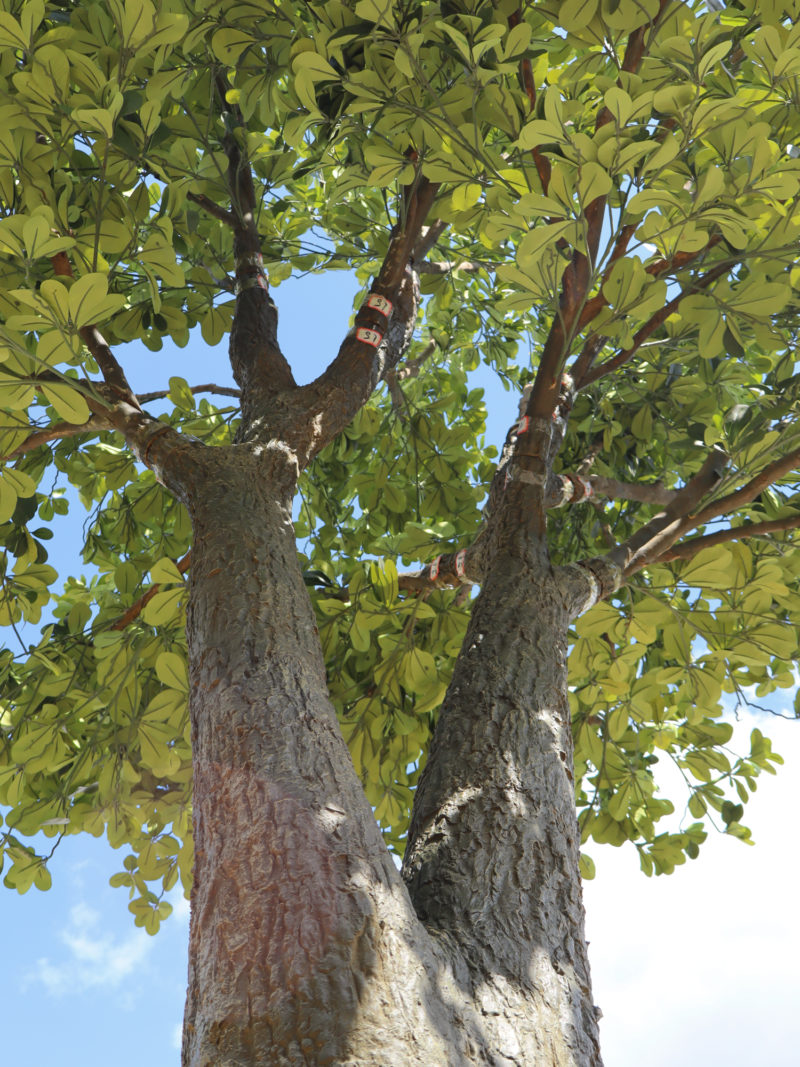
x=379 y=303
x=461 y=558
x=435 y=568
x=369 y=337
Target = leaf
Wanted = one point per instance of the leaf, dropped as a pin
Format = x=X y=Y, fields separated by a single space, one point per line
x=317 y=68
x=68 y=402
x=171 y=670
x=86 y=298
x=575 y=14
x=165 y=572
x=164 y=608
x=714 y=55
x=619 y=104
x=11 y=35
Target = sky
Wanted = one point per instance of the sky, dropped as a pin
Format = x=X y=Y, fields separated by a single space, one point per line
x=698 y=968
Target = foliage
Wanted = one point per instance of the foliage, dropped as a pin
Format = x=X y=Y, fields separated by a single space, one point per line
x=113 y=194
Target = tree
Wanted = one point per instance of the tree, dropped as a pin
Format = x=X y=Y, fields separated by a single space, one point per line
x=609 y=188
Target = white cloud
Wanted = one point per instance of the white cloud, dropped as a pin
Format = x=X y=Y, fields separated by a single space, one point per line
x=180 y=906
x=177 y=1036
x=700 y=967
x=93 y=958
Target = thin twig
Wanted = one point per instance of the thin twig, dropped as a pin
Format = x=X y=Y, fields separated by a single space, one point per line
x=57 y=432
x=222 y=390
x=593 y=373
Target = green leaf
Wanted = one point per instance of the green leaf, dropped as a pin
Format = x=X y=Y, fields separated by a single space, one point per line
x=164 y=608
x=68 y=402
x=171 y=670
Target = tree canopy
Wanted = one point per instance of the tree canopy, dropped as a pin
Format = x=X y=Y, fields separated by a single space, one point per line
x=609 y=190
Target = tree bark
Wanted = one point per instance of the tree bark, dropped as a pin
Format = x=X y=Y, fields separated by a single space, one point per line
x=305 y=947
x=492 y=858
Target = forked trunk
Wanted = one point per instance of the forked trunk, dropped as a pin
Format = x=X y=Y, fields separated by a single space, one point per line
x=305 y=947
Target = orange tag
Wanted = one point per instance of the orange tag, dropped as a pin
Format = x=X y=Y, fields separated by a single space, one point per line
x=379 y=303
x=369 y=337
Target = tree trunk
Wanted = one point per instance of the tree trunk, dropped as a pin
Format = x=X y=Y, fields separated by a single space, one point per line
x=492 y=858
x=304 y=945
x=303 y=948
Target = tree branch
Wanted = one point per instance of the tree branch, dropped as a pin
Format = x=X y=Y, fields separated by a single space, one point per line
x=383 y=327
x=594 y=342
x=690 y=548
x=773 y=472
x=647 y=544
x=541 y=162
x=451 y=266
x=259 y=367
x=212 y=208
x=57 y=432
x=393 y=376
x=576 y=279
x=221 y=390
x=586 y=358
x=574 y=488
x=428 y=237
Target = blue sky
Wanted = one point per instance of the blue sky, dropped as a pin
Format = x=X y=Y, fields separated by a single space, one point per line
x=699 y=968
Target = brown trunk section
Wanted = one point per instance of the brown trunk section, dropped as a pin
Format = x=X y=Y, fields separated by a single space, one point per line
x=492 y=859
x=304 y=945
x=303 y=948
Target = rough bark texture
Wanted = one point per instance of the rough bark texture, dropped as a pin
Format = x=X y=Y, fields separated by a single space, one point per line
x=492 y=860
x=305 y=946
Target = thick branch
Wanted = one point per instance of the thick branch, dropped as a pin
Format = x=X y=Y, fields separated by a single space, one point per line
x=773 y=472
x=661 y=532
x=382 y=330
x=428 y=237
x=466 y=567
x=690 y=548
x=259 y=367
x=573 y=489
x=586 y=582
x=451 y=266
